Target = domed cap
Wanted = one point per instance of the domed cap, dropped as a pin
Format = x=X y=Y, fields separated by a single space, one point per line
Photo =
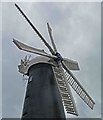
x=25 y=65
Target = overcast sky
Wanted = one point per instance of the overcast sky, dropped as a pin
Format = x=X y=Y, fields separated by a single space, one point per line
x=77 y=33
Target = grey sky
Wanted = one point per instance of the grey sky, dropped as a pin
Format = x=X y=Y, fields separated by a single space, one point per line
x=77 y=33
x=0 y=60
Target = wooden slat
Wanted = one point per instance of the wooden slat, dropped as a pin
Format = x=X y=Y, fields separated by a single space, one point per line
x=80 y=90
x=65 y=95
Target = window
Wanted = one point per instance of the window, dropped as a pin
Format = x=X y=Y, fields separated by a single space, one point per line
x=30 y=79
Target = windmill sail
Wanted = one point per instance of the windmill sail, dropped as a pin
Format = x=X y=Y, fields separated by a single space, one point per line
x=65 y=92
x=75 y=84
x=50 y=34
x=35 y=29
x=72 y=65
x=27 y=48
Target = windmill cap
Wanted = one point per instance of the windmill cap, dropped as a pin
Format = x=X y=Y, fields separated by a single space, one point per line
x=40 y=59
x=37 y=60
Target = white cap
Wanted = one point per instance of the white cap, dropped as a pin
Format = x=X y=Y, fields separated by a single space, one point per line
x=24 y=66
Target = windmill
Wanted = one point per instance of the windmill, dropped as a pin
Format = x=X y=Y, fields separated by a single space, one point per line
x=61 y=69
